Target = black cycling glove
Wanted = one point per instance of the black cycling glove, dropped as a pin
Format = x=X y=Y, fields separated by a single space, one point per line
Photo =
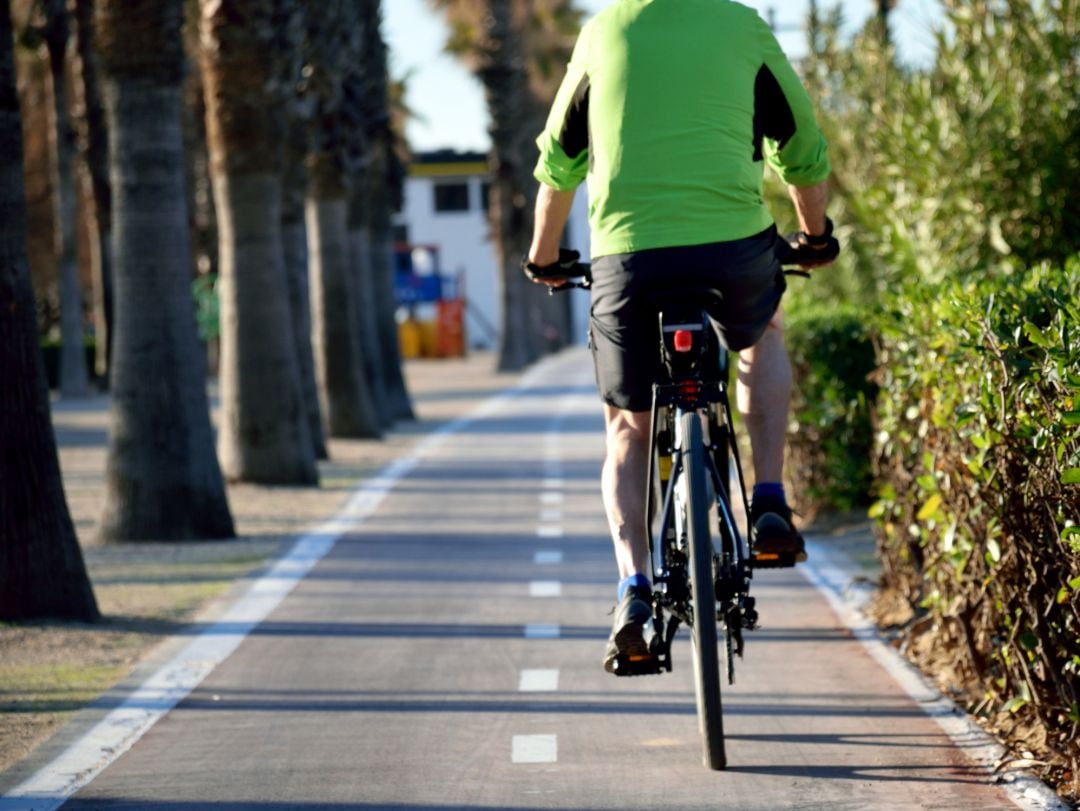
x=567 y=267
x=808 y=249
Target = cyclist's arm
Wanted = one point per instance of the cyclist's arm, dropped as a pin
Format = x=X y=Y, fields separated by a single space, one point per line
x=810 y=204
x=552 y=212
x=564 y=143
x=564 y=157
x=792 y=144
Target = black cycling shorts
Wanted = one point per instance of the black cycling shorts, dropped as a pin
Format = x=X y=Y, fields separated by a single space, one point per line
x=739 y=283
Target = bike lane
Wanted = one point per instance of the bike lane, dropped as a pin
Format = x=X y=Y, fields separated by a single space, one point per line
x=445 y=654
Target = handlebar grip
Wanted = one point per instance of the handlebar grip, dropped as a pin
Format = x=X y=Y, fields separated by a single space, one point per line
x=568 y=267
x=792 y=252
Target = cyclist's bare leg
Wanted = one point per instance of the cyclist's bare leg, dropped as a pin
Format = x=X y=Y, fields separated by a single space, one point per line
x=622 y=483
x=763 y=394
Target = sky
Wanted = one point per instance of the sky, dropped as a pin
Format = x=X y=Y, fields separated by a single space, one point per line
x=448 y=102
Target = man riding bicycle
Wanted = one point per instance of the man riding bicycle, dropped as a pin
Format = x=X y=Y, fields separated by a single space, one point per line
x=670 y=108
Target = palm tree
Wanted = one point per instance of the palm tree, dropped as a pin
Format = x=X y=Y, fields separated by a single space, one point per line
x=247 y=49
x=883 y=9
x=367 y=311
x=377 y=198
x=42 y=573
x=503 y=41
x=162 y=476
x=367 y=333
x=92 y=139
x=294 y=242
x=54 y=30
x=334 y=45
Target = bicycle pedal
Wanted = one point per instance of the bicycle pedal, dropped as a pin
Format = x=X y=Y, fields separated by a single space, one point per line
x=776 y=560
x=636 y=666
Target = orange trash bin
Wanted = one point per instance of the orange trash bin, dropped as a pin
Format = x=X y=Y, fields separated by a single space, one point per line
x=450 y=328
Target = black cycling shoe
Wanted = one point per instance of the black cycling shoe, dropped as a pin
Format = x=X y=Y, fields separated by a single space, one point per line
x=629 y=631
x=777 y=544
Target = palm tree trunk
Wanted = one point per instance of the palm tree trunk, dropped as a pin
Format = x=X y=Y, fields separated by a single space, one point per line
x=383 y=180
x=73 y=375
x=265 y=436
x=506 y=86
x=162 y=476
x=42 y=573
x=399 y=404
x=294 y=240
x=343 y=392
x=521 y=320
x=371 y=351
x=93 y=146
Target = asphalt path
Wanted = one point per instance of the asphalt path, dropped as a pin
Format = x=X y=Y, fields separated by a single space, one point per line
x=446 y=655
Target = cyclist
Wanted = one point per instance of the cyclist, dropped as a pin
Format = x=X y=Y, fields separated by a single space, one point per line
x=670 y=108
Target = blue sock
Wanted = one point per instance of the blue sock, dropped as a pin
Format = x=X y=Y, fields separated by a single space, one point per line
x=770 y=490
x=633 y=580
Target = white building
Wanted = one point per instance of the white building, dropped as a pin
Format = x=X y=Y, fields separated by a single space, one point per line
x=445 y=207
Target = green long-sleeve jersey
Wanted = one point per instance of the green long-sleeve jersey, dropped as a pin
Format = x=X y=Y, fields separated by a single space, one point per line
x=670 y=108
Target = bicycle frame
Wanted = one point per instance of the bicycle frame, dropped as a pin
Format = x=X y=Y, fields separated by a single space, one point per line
x=697 y=383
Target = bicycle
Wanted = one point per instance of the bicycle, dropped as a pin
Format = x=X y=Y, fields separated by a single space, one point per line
x=694 y=473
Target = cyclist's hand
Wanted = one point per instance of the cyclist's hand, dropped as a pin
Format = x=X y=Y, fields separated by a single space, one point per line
x=557 y=272
x=810 y=251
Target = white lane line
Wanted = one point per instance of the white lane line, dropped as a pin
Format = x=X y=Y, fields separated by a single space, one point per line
x=549 y=532
x=541 y=631
x=551 y=498
x=830 y=574
x=117 y=732
x=554 y=483
x=534 y=749
x=551 y=515
x=545 y=588
x=539 y=681
x=547 y=557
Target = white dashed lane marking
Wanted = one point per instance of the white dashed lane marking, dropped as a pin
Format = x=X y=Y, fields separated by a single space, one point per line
x=534 y=749
x=539 y=681
x=547 y=557
x=545 y=588
x=541 y=631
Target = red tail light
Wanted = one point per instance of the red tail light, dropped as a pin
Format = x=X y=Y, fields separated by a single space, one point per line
x=684 y=340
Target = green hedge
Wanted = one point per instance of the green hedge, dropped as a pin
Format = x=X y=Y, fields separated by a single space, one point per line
x=830 y=437
x=978 y=458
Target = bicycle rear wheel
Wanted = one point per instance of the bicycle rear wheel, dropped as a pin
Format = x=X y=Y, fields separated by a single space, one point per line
x=703 y=632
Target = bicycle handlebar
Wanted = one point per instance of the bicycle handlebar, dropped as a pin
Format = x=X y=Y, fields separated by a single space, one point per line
x=578 y=275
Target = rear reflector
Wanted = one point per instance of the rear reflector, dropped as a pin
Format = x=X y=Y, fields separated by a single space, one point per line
x=684 y=340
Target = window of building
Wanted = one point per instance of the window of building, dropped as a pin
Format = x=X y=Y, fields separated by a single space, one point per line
x=485 y=195
x=451 y=197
